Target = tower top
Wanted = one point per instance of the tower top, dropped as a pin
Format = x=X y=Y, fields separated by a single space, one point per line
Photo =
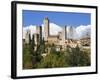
x=28 y=31
x=46 y=18
x=65 y=25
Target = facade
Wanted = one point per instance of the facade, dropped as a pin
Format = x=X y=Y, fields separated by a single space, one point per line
x=53 y=40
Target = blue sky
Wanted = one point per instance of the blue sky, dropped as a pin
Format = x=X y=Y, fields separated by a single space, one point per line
x=31 y=17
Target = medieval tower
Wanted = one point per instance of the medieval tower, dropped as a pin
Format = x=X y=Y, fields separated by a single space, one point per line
x=39 y=32
x=27 y=37
x=46 y=28
x=64 y=33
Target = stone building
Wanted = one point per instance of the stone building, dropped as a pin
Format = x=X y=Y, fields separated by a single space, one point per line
x=39 y=32
x=46 y=28
x=27 y=37
x=49 y=38
x=36 y=38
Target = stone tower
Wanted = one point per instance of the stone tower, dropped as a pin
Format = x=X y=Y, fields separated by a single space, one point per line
x=71 y=32
x=60 y=35
x=64 y=33
x=46 y=28
x=39 y=31
x=36 y=39
x=27 y=37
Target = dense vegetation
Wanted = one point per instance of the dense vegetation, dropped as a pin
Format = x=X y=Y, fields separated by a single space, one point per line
x=70 y=57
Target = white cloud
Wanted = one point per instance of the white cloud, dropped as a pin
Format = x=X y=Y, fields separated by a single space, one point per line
x=83 y=31
x=54 y=29
x=79 y=32
x=32 y=29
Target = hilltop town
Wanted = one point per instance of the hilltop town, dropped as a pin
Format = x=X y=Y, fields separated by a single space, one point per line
x=61 y=40
x=60 y=50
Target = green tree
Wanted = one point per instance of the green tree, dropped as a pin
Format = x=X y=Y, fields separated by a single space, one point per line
x=54 y=59
x=32 y=45
x=78 y=57
x=27 y=63
x=29 y=39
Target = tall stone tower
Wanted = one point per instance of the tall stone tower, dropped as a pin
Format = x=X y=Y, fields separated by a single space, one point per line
x=60 y=35
x=71 y=32
x=64 y=33
x=36 y=39
x=46 y=28
x=39 y=31
x=27 y=37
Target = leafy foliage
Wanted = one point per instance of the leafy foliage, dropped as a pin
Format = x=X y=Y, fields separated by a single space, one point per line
x=78 y=57
x=70 y=57
x=27 y=62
